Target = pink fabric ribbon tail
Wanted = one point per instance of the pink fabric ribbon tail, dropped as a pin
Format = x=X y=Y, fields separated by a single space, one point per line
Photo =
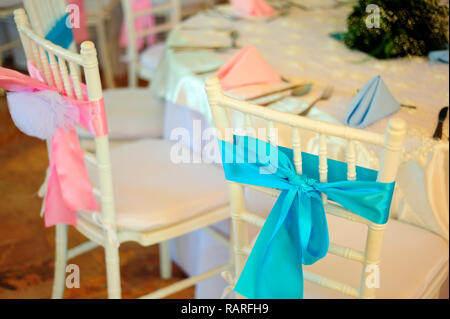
x=69 y=189
x=140 y=24
x=80 y=29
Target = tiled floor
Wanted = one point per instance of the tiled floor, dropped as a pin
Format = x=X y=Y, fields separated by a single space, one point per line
x=27 y=247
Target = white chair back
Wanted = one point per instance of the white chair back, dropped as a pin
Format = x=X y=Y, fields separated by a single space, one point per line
x=391 y=142
x=170 y=8
x=60 y=69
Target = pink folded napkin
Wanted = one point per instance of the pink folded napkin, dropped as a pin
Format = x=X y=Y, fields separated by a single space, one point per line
x=80 y=30
x=141 y=23
x=246 y=67
x=256 y=8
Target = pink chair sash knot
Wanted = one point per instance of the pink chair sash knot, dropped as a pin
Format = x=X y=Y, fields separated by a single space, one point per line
x=69 y=189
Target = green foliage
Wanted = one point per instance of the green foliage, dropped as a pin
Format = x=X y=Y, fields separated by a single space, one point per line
x=407 y=27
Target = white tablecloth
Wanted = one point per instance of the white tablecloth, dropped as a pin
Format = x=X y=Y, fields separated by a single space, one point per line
x=299 y=46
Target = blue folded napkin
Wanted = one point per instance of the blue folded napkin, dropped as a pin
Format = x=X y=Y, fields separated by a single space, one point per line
x=439 y=56
x=372 y=103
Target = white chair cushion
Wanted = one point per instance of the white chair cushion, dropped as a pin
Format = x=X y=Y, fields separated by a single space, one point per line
x=152 y=192
x=151 y=56
x=132 y=114
x=411 y=257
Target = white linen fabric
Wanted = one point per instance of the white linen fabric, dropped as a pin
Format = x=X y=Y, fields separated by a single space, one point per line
x=153 y=192
x=150 y=57
x=132 y=114
x=411 y=259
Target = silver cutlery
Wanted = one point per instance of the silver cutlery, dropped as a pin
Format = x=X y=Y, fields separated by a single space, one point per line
x=326 y=94
x=202 y=72
x=297 y=5
x=179 y=48
x=441 y=118
x=234 y=35
x=409 y=106
x=300 y=91
x=222 y=14
x=287 y=88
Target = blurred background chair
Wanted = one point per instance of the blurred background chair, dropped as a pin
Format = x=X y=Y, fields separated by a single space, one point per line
x=100 y=17
x=142 y=61
x=8 y=41
x=166 y=14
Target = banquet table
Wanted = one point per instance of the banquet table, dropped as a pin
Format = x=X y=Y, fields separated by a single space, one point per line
x=299 y=46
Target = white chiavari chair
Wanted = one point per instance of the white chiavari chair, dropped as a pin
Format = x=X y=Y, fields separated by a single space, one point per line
x=142 y=65
x=132 y=113
x=413 y=262
x=152 y=199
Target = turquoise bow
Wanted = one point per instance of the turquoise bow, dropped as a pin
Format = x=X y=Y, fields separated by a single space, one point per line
x=295 y=231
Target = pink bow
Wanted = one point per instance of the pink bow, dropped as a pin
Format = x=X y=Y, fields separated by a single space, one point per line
x=69 y=189
x=140 y=24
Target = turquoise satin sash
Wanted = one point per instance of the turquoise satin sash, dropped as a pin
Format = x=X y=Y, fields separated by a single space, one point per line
x=296 y=231
x=60 y=34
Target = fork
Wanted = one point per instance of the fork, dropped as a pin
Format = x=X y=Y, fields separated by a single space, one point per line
x=326 y=94
x=234 y=35
x=222 y=14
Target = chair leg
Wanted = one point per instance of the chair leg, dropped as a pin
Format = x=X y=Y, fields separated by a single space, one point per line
x=60 y=261
x=113 y=271
x=165 y=262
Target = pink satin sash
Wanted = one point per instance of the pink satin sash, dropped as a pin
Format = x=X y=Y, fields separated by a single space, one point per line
x=69 y=189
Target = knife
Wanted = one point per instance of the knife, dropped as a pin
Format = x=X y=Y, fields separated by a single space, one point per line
x=293 y=86
x=442 y=116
